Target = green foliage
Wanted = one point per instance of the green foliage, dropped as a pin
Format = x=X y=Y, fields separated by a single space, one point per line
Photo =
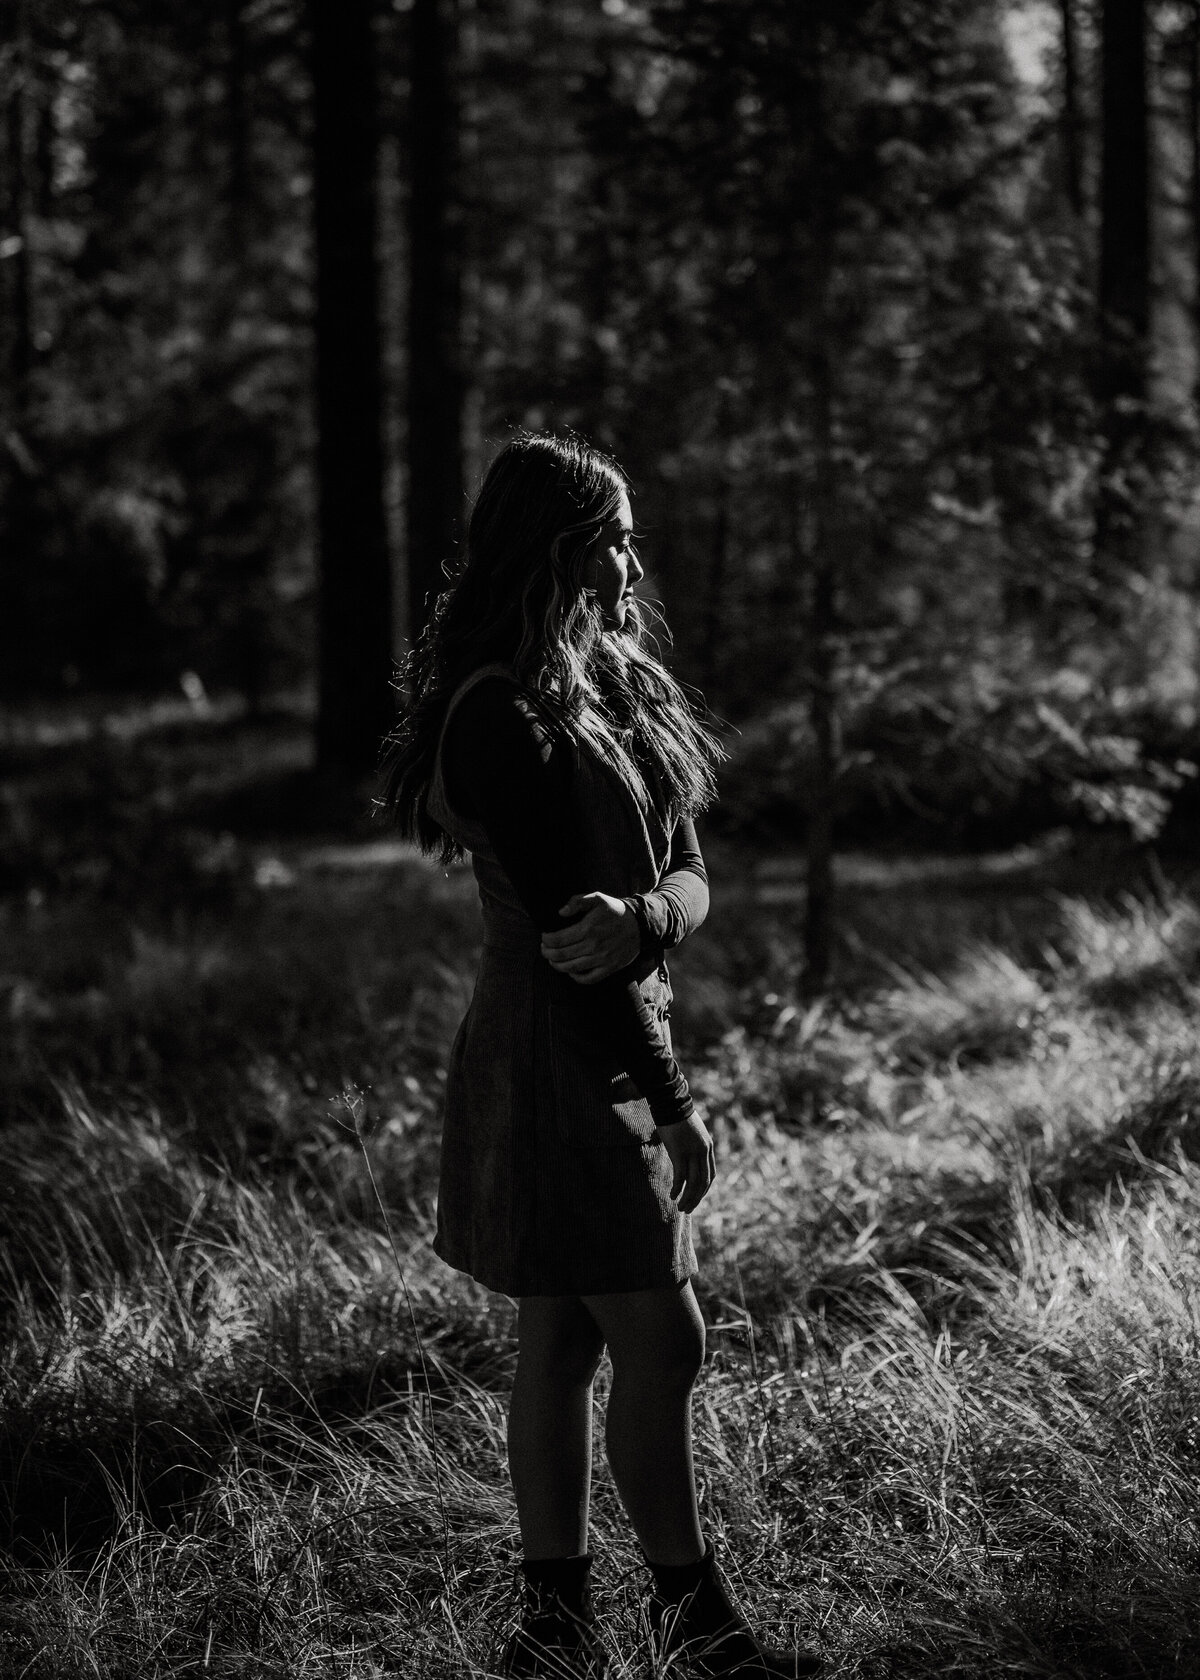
x=155 y=502
x=979 y=743
x=652 y=196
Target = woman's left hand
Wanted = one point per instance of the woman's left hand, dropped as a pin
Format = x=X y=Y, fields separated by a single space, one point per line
x=604 y=940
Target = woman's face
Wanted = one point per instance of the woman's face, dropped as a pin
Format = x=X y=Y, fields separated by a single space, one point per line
x=612 y=566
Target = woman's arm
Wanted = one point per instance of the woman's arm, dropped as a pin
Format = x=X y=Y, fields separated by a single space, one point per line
x=502 y=769
x=679 y=903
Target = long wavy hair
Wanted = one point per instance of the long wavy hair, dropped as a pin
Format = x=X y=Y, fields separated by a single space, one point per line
x=518 y=597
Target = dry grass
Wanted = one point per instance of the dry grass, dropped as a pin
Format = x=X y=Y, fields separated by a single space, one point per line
x=951 y=1272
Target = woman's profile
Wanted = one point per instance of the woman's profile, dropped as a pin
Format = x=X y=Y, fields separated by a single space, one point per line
x=545 y=740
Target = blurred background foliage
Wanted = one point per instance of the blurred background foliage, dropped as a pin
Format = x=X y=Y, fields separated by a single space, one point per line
x=890 y=310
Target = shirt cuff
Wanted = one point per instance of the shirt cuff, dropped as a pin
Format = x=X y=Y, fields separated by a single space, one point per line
x=649 y=933
x=679 y=1108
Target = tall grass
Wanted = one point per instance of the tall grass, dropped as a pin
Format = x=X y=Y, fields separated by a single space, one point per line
x=951 y=1272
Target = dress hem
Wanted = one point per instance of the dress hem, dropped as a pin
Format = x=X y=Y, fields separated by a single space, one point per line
x=515 y=1288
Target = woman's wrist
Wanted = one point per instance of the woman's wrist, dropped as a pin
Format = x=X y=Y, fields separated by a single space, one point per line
x=637 y=904
x=670 y=1106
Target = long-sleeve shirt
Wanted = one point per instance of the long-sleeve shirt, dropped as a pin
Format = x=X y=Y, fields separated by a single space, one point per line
x=503 y=769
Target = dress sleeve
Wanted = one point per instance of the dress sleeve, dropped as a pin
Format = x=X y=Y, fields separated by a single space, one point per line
x=679 y=903
x=502 y=768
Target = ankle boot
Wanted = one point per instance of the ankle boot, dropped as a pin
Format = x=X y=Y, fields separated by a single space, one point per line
x=694 y=1618
x=557 y=1638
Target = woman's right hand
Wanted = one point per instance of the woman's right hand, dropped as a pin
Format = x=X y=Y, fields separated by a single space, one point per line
x=690 y=1149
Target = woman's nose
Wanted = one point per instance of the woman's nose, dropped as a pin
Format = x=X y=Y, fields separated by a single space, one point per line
x=636 y=570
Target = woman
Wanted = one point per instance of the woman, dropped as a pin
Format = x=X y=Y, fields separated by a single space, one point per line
x=547 y=742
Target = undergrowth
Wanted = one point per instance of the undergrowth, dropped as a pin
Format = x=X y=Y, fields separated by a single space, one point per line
x=950 y=1270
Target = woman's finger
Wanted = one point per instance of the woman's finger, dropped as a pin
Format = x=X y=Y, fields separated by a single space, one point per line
x=560 y=946
x=577 y=902
x=563 y=944
x=696 y=1186
x=588 y=969
x=570 y=961
x=701 y=1182
x=585 y=928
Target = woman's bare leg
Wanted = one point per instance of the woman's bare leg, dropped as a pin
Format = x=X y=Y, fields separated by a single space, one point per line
x=550 y=1423
x=656 y=1343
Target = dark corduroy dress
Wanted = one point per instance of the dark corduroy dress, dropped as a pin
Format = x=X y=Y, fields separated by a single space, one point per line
x=553 y=1180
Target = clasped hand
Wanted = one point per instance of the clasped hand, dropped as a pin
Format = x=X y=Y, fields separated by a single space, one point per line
x=604 y=940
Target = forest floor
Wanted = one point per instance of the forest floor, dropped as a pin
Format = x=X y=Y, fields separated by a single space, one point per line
x=951 y=1267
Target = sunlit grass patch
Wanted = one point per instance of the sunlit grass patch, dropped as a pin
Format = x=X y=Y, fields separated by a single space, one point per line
x=157 y=1306
x=925 y=1184
x=950 y=1270
x=1133 y=953
x=988 y=1007
x=1158 y=1126
x=997 y=1504
x=239 y=1029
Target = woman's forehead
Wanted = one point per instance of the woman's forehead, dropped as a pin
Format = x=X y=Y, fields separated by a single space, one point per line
x=622 y=517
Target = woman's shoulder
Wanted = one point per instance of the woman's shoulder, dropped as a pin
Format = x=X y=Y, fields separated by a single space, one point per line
x=488 y=692
x=499 y=713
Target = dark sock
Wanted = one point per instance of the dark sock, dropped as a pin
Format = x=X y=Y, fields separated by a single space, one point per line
x=565 y=1577
x=674 y=1580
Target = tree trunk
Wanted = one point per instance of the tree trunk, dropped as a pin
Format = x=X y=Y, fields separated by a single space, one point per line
x=820 y=906
x=596 y=376
x=715 y=630
x=435 y=375
x=355 y=706
x=1072 y=125
x=1124 y=280
x=1194 y=178
x=19 y=263
x=252 y=633
x=238 y=115
x=24 y=654
x=42 y=171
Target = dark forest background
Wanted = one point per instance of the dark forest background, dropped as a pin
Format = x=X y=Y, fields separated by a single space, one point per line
x=890 y=310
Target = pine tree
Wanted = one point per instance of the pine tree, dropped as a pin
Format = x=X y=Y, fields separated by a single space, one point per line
x=435 y=375
x=1124 y=281
x=355 y=706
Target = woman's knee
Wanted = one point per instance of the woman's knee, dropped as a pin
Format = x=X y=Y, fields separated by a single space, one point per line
x=657 y=1335
x=681 y=1356
x=557 y=1336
